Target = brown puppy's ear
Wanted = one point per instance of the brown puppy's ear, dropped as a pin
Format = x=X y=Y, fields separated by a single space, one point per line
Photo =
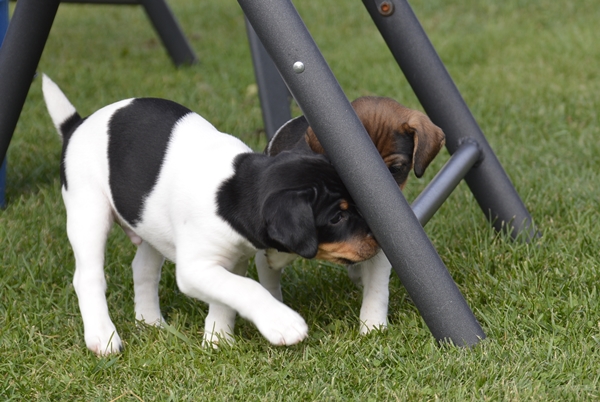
x=290 y=221
x=313 y=142
x=428 y=137
x=384 y=118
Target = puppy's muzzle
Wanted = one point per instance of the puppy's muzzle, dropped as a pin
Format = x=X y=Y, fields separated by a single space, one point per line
x=349 y=252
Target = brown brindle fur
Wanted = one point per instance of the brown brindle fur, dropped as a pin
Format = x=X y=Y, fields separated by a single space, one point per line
x=405 y=138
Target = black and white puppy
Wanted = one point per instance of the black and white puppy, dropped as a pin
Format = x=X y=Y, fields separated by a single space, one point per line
x=180 y=189
x=406 y=140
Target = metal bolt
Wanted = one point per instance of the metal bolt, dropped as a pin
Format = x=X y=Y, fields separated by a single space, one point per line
x=386 y=8
x=298 y=67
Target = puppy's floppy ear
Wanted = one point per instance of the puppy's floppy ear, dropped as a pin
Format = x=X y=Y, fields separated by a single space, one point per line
x=288 y=136
x=428 y=137
x=290 y=221
x=312 y=142
x=383 y=116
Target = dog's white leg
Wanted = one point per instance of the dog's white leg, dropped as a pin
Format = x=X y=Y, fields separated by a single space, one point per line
x=220 y=321
x=89 y=220
x=146 y=275
x=268 y=277
x=375 y=274
x=213 y=283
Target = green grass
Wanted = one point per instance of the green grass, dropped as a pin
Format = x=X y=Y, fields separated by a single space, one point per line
x=529 y=72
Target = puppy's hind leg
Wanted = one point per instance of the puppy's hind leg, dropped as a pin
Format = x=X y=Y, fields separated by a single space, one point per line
x=146 y=267
x=220 y=321
x=89 y=219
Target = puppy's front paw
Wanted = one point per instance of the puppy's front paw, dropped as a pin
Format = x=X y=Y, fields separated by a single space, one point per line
x=282 y=326
x=105 y=342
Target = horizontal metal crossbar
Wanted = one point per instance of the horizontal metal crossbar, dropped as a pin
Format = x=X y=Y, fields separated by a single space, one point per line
x=442 y=185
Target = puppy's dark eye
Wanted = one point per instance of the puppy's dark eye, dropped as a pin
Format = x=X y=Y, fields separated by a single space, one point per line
x=395 y=169
x=339 y=217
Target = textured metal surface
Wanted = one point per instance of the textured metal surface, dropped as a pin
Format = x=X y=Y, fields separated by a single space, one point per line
x=19 y=56
x=442 y=101
x=274 y=96
x=445 y=181
x=169 y=32
x=3 y=27
x=350 y=149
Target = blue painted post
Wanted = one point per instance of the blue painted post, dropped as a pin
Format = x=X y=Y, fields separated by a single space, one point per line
x=3 y=28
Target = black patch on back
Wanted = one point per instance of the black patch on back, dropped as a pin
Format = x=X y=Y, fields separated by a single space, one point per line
x=66 y=130
x=138 y=137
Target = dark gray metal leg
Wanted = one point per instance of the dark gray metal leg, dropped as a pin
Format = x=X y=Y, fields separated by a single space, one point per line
x=3 y=27
x=169 y=32
x=165 y=24
x=341 y=133
x=114 y=2
x=273 y=93
x=24 y=43
x=445 y=106
x=3 y=184
x=19 y=56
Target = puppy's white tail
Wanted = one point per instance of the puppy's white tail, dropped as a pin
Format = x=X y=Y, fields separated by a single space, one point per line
x=63 y=113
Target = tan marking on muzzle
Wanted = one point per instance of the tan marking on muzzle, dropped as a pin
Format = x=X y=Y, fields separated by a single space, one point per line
x=353 y=250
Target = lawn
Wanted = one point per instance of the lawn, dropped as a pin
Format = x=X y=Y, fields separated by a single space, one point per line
x=528 y=69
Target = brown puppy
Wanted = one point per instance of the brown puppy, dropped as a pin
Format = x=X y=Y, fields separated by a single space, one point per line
x=405 y=138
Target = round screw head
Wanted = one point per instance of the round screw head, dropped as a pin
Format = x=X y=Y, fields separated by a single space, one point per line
x=298 y=67
x=386 y=8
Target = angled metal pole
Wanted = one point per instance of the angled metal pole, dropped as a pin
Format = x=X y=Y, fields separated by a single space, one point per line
x=170 y=32
x=19 y=56
x=442 y=101
x=352 y=152
x=165 y=24
x=273 y=94
x=3 y=28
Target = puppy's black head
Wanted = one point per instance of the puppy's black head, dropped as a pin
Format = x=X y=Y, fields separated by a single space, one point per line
x=309 y=212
